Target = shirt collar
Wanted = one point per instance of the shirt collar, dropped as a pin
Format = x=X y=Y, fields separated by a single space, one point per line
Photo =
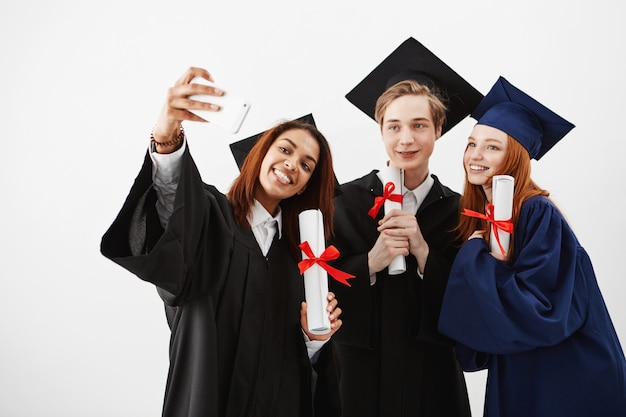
x=258 y=215
x=423 y=189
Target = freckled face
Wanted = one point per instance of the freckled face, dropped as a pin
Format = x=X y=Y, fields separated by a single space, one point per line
x=287 y=167
x=484 y=154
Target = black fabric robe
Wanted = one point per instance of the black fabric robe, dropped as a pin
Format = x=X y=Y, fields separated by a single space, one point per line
x=392 y=359
x=236 y=347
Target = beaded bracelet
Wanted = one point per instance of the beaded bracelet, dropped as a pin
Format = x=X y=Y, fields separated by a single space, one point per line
x=178 y=140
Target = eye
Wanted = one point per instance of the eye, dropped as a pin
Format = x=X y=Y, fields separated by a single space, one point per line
x=471 y=145
x=492 y=147
x=283 y=150
x=306 y=167
x=393 y=127
x=418 y=126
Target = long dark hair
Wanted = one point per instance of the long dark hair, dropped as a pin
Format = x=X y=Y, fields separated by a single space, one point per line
x=319 y=191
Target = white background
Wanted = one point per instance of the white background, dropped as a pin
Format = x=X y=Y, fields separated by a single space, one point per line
x=82 y=83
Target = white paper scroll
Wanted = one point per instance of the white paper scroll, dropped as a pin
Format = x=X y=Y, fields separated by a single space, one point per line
x=502 y=199
x=315 y=278
x=394 y=175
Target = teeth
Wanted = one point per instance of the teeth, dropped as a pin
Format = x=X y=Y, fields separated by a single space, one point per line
x=478 y=168
x=282 y=176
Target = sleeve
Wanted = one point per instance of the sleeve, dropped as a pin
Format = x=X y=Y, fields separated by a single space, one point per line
x=165 y=175
x=354 y=237
x=439 y=222
x=537 y=300
x=187 y=258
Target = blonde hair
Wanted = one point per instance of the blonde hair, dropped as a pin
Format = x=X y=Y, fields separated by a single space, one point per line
x=410 y=87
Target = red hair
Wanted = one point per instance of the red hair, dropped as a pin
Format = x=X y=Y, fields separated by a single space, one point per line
x=516 y=164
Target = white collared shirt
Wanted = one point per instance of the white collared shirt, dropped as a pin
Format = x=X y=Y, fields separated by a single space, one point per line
x=264 y=225
x=412 y=202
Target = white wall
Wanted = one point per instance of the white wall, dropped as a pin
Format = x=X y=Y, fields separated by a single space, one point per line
x=81 y=85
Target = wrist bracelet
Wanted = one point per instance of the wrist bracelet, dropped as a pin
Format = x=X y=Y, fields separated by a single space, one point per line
x=179 y=138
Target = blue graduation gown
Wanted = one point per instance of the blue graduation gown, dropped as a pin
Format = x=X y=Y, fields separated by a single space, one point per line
x=539 y=324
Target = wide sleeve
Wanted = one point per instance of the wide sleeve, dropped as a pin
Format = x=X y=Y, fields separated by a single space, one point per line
x=187 y=258
x=355 y=234
x=538 y=300
x=437 y=224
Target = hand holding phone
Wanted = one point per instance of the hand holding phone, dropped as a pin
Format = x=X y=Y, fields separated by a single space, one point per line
x=233 y=108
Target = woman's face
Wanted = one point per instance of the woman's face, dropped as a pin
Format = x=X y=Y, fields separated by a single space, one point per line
x=484 y=155
x=287 y=167
x=409 y=134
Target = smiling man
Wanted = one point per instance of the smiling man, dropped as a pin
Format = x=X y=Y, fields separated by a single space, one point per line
x=393 y=360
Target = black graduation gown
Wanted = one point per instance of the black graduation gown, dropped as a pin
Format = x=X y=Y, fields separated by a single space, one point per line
x=392 y=359
x=236 y=345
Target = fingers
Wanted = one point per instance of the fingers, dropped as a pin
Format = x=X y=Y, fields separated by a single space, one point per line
x=193 y=72
x=178 y=102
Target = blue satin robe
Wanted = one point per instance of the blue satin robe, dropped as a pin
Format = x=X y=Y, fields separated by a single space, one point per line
x=539 y=324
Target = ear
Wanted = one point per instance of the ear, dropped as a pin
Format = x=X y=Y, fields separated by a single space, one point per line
x=438 y=132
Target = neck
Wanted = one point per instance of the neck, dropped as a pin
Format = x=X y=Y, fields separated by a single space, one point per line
x=415 y=178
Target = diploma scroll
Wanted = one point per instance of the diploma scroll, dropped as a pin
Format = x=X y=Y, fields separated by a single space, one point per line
x=502 y=198
x=394 y=175
x=315 y=277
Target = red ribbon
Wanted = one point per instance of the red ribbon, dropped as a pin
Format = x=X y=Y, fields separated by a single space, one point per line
x=504 y=225
x=387 y=195
x=329 y=254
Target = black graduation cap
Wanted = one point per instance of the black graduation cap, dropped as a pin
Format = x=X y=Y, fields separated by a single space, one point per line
x=529 y=122
x=240 y=149
x=412 y=60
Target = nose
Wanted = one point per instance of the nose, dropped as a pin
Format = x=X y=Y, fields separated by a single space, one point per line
x=290 y=164
x=406 y=137
x=473 y=153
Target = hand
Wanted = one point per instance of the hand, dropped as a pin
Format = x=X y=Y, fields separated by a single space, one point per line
x=398 y=230
x=177 y=104
x=480 y=234
x=405 y=223
x=334 y=313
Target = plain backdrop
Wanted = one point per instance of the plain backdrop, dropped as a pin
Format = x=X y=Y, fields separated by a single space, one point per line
x=82 y=83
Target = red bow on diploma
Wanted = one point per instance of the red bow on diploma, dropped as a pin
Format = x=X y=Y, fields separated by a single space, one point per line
x=329 y=254
x=387 y=195
x=504 y=225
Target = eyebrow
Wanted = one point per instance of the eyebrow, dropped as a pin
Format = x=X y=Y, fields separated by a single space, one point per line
x=488 y=141
x=415 y=119
x=296 y=147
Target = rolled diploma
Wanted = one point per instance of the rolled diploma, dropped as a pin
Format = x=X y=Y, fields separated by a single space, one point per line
x=502 y=197
x=315 y=278
x=394 y=175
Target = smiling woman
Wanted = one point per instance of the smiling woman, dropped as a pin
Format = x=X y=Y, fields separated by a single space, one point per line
x=287 y=167
x=226 y=267
x=534 y=317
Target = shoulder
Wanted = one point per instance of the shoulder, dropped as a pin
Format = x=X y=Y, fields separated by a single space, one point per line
x=443 y=190
x=365 y=183
x=539 y=206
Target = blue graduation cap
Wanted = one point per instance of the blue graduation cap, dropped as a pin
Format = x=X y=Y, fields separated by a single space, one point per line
x=533 y=125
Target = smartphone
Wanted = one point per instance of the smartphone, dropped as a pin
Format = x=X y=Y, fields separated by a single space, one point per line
x=233 y=108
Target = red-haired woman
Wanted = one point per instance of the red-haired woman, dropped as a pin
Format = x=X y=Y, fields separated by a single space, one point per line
x=532 y=313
